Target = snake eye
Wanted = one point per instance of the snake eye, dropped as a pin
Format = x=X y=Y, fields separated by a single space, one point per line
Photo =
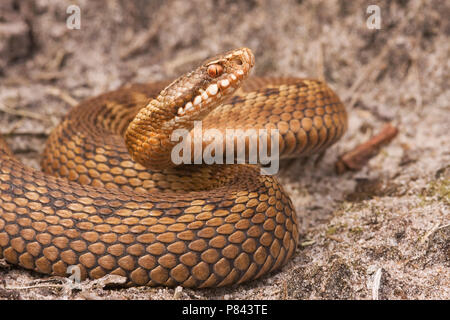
x=215 y=70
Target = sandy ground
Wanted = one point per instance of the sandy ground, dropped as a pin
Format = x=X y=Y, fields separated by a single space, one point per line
x=382 y=232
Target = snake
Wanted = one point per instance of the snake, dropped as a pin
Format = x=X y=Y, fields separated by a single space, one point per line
x=110 y=201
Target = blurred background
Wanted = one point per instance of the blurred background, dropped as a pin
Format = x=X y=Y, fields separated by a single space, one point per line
x=351 y=225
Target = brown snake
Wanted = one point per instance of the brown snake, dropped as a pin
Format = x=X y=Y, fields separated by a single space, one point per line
x=151 y=221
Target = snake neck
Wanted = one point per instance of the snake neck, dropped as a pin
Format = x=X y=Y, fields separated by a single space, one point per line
x=148 y=136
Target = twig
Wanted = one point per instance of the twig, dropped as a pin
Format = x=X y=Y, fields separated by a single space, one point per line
x=442 y=227
x=41 y=284
x=36 y=286
x=64 y=96
x=57 y=61
x=140 y=42
x=15 y=126
x=358 y=157
x=376 y=283
x=377 y=65
x=335 y=238
x=23 y=113
x=435 y=228
x=307 y=243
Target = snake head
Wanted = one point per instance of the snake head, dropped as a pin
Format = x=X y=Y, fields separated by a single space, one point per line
x=186 y=100
x=192 y=96
x=216 y=79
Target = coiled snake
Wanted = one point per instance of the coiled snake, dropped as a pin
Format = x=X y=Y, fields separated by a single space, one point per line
x=146 y=219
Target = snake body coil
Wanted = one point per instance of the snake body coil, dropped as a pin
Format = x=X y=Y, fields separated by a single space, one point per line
x=146 y=219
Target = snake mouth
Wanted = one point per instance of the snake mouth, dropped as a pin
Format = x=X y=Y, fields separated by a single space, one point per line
x=212 y=93
x=218 y=78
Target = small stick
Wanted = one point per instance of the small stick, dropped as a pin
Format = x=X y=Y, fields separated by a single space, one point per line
x=335 y=238
x=64 y=96
x=376 y=284
x=139 y=43
x=23 y=113
x=44 y=283
x=35 y=286
x=435 y=228
x=357 y=158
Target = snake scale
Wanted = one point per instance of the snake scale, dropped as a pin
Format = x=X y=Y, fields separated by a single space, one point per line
x=110 y=201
